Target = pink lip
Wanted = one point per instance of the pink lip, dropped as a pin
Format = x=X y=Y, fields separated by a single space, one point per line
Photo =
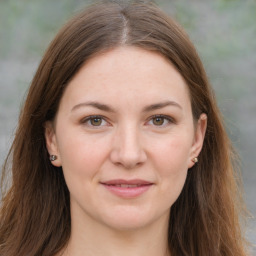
x=114 y=186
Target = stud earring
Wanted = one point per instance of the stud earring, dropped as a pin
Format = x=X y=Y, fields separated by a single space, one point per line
x=195 y=160
x=53 y=157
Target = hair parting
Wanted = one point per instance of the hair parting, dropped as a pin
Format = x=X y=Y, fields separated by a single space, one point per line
x=35 y=211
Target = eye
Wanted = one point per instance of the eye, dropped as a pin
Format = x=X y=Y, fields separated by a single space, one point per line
x=160 y=120
x=95 y=121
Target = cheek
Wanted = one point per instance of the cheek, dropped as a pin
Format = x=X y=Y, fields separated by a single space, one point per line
x=81 y=163
x=82 y=156
x=170 y=160
x=173 y=154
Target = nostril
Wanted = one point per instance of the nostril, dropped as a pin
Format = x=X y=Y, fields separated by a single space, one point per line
x=127 y=149
x=128 y=160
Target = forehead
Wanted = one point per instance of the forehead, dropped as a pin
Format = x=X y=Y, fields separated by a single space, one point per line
x=127 y=75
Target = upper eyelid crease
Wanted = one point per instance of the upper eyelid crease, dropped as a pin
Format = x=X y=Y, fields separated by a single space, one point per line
x=162 y=116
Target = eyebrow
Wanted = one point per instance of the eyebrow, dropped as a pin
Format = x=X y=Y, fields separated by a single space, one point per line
x=161 y=105
x=95 y=105
x=107 y=108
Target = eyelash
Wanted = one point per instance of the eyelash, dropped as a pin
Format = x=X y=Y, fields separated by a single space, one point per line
x=167 y=118
x=90 y=118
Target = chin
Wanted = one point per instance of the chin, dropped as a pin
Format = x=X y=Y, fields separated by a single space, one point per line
x=130 y=220
x=124 y=225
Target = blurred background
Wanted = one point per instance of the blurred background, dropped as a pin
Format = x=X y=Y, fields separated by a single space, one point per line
x=223 y=31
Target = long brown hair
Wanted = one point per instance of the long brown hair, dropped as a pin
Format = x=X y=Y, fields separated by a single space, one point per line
x=35 y=213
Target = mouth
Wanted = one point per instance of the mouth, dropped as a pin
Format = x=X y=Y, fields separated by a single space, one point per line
x=127 y=188
x=126 y=185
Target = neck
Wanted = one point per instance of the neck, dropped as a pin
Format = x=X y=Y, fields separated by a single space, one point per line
x=93 y=239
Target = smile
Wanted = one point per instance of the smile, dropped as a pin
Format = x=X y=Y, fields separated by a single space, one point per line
x=127 y=188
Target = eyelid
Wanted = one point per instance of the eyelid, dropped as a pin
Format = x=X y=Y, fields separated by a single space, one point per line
x=88 y=118
x=168 y=118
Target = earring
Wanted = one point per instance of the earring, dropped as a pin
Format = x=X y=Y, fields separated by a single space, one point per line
x=53 y=157
x=195 y=160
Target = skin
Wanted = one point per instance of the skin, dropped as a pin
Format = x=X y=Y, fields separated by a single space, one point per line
x=126 y=141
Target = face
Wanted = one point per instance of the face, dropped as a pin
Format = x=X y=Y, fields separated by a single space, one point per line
x=125 y=138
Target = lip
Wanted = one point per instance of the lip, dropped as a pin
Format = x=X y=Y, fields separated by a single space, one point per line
x=120 y=187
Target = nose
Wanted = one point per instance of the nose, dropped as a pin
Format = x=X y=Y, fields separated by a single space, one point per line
x=127 y=149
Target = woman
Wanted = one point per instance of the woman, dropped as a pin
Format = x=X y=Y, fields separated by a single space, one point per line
x=120 y=148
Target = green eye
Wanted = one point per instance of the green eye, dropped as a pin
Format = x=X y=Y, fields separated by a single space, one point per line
x=158 y=120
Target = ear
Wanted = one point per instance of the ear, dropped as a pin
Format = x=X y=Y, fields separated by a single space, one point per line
x=198 y=141
x=51 y=142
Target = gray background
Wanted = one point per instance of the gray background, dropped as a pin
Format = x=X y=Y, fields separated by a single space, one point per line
x=223 y=31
